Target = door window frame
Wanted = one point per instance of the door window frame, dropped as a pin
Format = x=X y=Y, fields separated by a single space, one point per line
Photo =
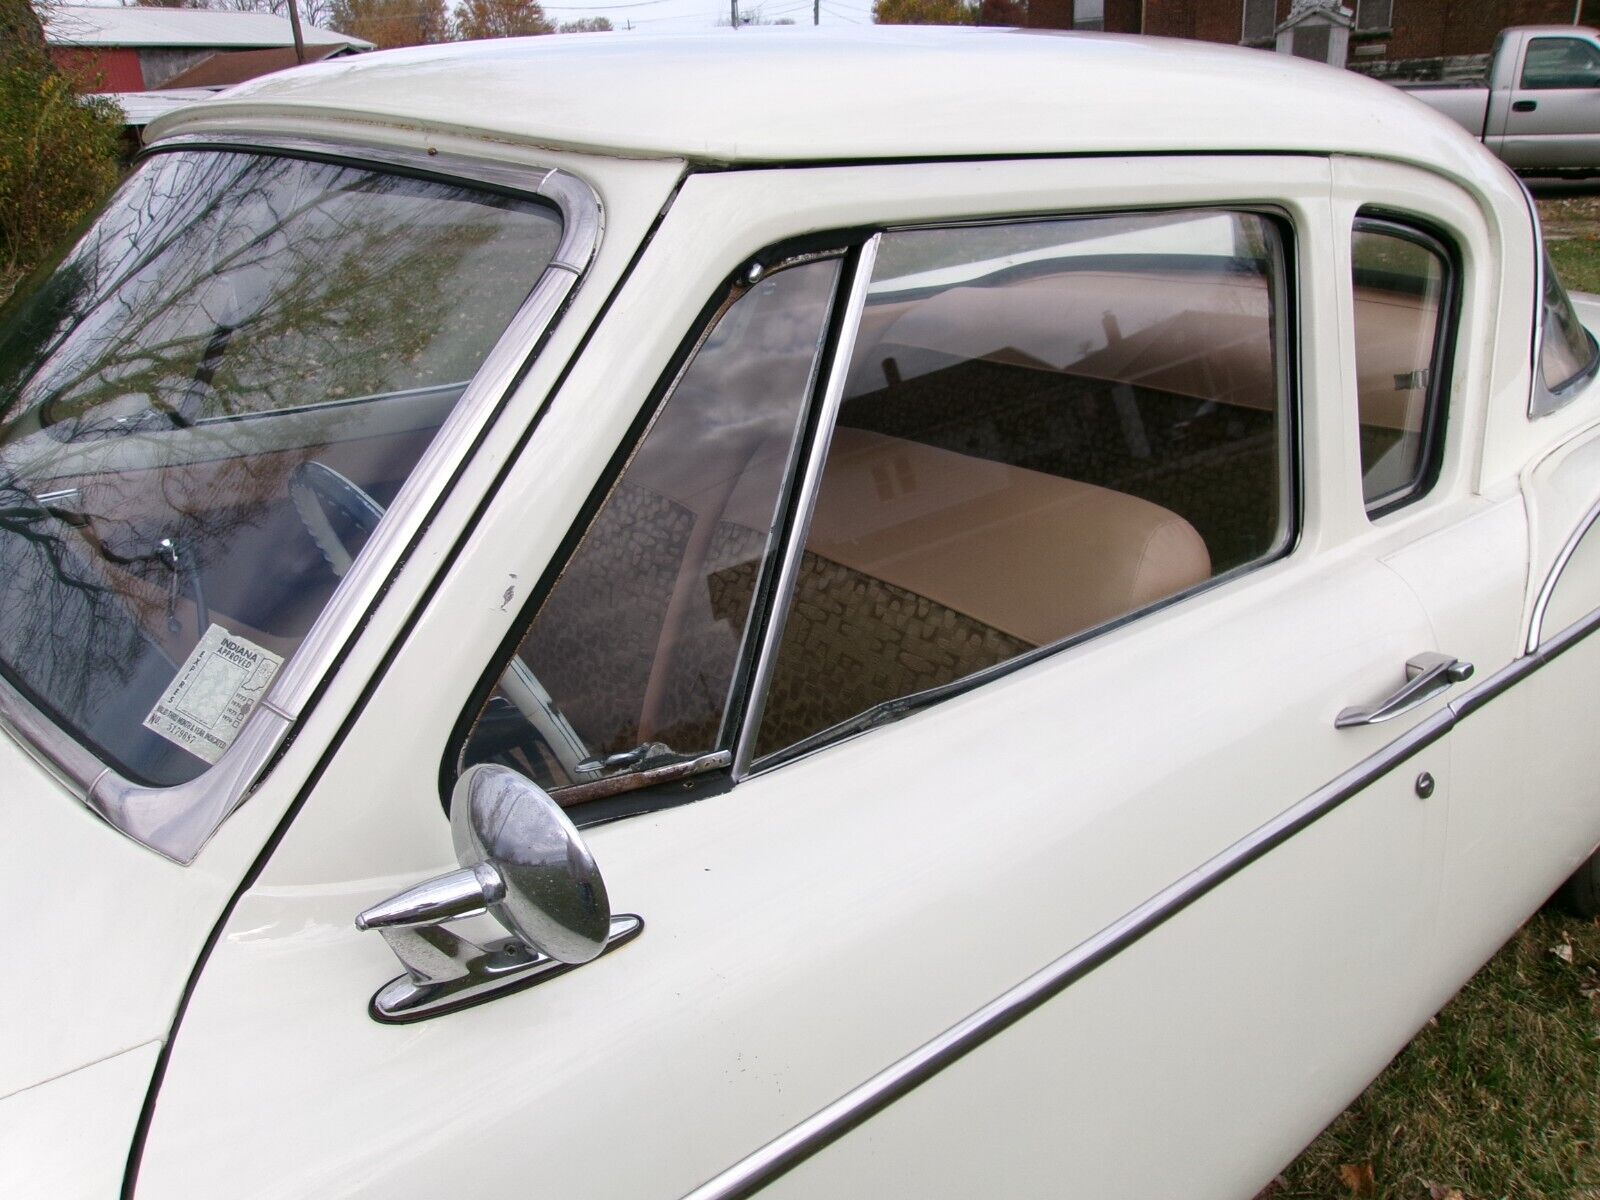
x=1441 y=362
x=645 y=792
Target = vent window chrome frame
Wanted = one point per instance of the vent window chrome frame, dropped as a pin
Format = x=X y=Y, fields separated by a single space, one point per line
x=176 y=822
x=1542 y=398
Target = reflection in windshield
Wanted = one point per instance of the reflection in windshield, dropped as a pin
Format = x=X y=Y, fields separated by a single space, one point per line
x=228 y=319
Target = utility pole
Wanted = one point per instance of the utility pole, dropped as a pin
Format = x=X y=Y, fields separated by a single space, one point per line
x=816 y=12
x=299 y=38
x=733 y=13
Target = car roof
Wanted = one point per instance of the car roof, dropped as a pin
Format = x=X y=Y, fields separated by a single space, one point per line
x=752 y=96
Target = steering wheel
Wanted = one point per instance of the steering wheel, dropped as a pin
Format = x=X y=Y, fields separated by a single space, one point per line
x=340 y=517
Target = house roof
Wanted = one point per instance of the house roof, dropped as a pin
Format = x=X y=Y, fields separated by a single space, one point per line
x=877 y=93
x=140 y=108
x=108 y=26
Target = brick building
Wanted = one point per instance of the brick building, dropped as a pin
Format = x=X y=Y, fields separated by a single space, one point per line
x=1385 y=31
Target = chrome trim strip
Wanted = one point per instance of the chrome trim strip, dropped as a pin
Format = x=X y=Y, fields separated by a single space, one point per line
x=45 y=741
x=832 y=1122
x=816 y=458
x=828 y=1124
x=1515 y=671
x=457 y=166
x=1569 y=637
x=1536 y=621
x=176 y=822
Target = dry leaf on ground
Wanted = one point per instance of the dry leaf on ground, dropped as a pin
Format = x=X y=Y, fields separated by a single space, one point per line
x=1359 y=1179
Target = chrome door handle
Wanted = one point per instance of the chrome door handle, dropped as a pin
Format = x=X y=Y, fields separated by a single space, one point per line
x=1427 y=675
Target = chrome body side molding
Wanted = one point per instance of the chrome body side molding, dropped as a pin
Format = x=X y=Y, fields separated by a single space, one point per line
x=829 y=1124
x=1548 y=590
x=177 y=821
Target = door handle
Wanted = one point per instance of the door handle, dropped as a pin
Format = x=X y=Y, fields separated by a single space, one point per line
x=1524 y=105
x=1427 y=675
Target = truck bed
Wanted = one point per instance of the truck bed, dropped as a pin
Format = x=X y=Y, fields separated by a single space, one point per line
x=1466 y=105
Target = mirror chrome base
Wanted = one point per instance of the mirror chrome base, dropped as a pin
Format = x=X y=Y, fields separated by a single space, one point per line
x=496 y=969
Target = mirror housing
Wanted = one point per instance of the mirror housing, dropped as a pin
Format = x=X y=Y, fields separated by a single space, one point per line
x=552 y=896
x=524 y=863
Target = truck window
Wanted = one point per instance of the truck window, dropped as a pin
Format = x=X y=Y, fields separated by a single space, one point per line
x=1560 y=62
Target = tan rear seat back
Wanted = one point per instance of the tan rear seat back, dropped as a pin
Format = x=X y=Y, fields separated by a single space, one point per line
x=1033 y=555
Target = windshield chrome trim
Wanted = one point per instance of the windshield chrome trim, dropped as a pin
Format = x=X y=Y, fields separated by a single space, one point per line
x=176 y=822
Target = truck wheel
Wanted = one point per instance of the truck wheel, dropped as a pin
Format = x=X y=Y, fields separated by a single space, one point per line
x=1580 y=895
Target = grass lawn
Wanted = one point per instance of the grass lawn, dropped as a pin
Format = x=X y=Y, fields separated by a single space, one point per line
x=1572 y=230
x=1499 y=1097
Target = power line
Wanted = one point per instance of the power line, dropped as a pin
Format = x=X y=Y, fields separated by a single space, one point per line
x=833 y=11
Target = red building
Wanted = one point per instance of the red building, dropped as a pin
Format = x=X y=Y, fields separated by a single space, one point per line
x=111 y=49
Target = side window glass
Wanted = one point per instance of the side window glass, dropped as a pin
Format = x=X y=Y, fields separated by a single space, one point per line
x=1401 y=284
x=1566 y=351
x=1046 y=427
x=630 y=658
x=1560 y=62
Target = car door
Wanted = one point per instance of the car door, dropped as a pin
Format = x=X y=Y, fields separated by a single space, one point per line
x=1554 y=116
x=1007 y=759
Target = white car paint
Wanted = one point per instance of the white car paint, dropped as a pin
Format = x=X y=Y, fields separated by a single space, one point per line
x=815 y=923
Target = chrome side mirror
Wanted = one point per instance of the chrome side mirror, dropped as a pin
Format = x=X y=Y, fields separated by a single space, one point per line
x=523 y=862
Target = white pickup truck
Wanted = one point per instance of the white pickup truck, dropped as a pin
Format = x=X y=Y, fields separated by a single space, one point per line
x=1540 y=110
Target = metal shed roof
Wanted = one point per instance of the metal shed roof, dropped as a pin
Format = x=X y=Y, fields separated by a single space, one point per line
x=107 y=27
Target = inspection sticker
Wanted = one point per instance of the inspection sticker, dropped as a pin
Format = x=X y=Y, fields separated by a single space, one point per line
x=217 y=687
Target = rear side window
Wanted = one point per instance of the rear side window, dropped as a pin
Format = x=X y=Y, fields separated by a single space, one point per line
x=1403 y=291
x=1046 y=427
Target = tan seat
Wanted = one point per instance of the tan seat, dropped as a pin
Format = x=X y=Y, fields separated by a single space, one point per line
x=1032 y=555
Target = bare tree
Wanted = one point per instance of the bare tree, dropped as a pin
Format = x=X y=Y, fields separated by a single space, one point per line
x=501 y=18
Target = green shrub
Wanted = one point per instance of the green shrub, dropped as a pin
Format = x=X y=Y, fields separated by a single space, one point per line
x=58 y=153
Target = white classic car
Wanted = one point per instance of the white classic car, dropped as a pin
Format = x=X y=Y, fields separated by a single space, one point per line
x=1052 y=575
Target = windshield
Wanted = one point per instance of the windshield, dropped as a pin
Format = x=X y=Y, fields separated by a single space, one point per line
x=205 y=409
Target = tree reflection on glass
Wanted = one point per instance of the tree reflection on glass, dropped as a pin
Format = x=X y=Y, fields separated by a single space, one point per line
x=228 y=318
